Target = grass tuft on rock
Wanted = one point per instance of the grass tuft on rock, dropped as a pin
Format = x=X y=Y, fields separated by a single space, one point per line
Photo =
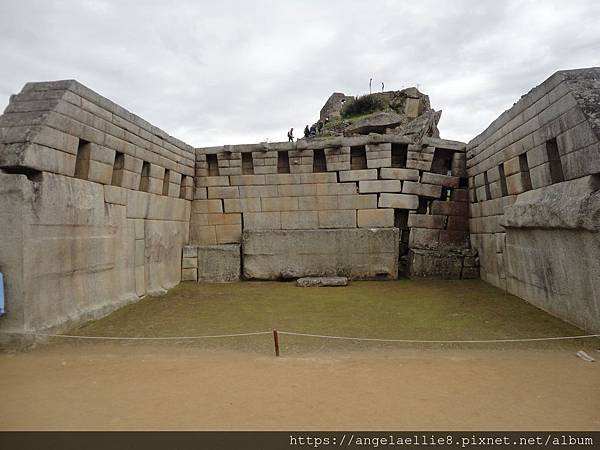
x=364 y=104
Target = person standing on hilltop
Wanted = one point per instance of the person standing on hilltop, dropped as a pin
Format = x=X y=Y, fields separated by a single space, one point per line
x=291 y=135
x=306 y=131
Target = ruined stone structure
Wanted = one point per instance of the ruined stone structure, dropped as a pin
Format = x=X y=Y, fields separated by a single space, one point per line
x=535 y=197
x=99 y=208
x=351 y=206
x=95 y=206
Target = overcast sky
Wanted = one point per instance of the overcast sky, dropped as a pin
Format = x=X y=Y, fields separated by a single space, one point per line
x=226 y=72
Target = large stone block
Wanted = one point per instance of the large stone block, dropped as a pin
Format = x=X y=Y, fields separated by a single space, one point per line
x=424 y=238
x=359 y=201
x=366 y=187
x=279 y=204
x=67 y=255
x=207 y=206
x=116 y=195
x=356 y=253
x=562 y=278
x=421 y=189
x=246 y=180
x=151 y=185
x=297 y=190
x=299 y=220
x=212 y=181
x=399 y=174
x=573 y=204
x=402 y=201
x=219 y=263
x=459 y=223
x=224 y=219
x=229 y=234
x=359 y=175
x=337 y=219
x=518 y=183
x=164 y=240
x=262 y=220
x=318 y=203
x=434 y=221
x=200 y=193
x=232 y=205
x=203 y=234
x=126 y=179
x=337 y=158
x=375 y=218
x=442 y=180
x=190 y=274
x=336 y=188
x=223 y=192
x=37 y=157
x=258 y=191
x=190 y=251
x=454 y=239
x=433 y=264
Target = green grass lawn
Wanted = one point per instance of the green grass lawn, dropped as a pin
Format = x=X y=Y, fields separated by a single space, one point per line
x=403 y=309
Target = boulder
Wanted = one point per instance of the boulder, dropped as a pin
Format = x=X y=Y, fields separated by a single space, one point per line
x=375 y=123
x=322 y=281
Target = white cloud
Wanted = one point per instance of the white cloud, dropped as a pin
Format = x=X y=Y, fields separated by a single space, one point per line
x=233 y=71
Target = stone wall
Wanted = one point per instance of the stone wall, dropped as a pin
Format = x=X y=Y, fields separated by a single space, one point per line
x=95 y=206
x=535 y=198
x=364 y=182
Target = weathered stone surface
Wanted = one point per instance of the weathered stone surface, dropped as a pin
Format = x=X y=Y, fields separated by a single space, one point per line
x=366 y=187
x=77 y=244
x=164 y=240
x=353 y=253
x=189 y=274
x=78 y=259
x=434 y=264
x=219 y=263
x=375 y=123
x=562 y=278
x=76 y=249
x=358 y=175
x=403 y=201
x=541 y=243
x=421 y=189
x=572 y=205
x=399 y=174
x=375 y=218
x=449 y=208
x=190 y=251
x=424 y=238
x=337 y=219
x=299 y=220
x=322 y=281
x=427 y=221
x=442 y=180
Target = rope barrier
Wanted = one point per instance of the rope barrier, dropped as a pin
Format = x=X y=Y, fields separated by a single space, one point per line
x=417 y=341
x=322 y=336
x=118 y=338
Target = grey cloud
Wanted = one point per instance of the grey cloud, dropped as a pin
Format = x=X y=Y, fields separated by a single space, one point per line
x=231 y=72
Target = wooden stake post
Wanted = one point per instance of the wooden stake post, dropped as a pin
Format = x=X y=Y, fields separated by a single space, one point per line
x=276 y=341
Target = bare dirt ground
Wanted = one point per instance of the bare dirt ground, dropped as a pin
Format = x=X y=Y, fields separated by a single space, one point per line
x=149 y=387
x=317 y=384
